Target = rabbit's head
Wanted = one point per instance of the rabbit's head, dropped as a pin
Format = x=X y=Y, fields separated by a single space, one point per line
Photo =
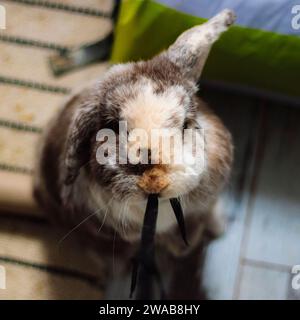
x=118 y=130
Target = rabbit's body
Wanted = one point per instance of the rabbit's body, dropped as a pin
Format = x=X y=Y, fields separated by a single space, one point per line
x=108 y=200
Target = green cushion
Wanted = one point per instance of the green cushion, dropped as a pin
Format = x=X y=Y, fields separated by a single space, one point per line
x=243 y=56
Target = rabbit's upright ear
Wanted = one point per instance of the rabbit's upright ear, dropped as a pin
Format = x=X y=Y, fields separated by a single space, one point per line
x=190 y=50
x=77 y=149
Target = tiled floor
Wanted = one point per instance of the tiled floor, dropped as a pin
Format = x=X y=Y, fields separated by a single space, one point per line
x=254 y=259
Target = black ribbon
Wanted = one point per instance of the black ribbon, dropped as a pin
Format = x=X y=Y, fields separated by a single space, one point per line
x=175 y=203
x=144 y=265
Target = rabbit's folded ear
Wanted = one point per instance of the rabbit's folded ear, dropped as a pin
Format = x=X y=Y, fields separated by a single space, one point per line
x=190 y=50
x=77 y=149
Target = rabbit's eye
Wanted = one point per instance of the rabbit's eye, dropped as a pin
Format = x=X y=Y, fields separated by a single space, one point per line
x=190 y=124
x=113 y=125
x=185 y=125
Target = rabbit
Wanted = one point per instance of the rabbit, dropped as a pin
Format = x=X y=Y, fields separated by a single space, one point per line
x=105 y=203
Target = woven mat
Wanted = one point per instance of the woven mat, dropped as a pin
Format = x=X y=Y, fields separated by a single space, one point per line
x=37 y=267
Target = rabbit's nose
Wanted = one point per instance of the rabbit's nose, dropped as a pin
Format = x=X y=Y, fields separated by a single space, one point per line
x=154 y=180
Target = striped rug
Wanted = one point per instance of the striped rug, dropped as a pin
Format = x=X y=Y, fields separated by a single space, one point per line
x=36 y=265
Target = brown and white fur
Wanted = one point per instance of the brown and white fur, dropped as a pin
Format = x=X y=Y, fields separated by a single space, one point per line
x=74 y=189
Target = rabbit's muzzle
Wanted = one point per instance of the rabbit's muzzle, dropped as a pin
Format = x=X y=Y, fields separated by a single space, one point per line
x=154 y=180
